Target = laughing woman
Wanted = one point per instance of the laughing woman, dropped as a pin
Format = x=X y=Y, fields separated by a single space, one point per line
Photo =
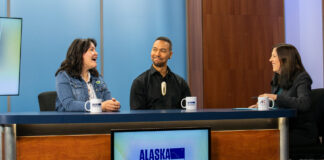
x=77 y=79
x=291 y=88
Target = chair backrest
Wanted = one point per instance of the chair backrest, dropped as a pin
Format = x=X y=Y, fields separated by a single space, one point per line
x=47 y=100
x=315 y=151
x=317 y=97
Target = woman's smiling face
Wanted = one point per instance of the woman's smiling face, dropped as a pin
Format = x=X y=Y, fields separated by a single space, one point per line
x=90 y=58
x=274 y=59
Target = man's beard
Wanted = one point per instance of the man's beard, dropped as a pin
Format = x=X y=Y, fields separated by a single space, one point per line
x=159 y=64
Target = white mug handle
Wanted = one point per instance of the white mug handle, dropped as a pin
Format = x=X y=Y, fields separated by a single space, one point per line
x=272 y=103
x=181 y=103
x=85 y=106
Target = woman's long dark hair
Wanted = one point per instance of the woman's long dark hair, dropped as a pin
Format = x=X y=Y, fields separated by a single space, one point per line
x=74 y=58
x=290 y=65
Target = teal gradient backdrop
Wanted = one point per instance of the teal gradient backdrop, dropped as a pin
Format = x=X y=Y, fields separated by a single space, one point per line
x=130 y=28
x=49 y=27
x=3 y=13
x=3 y=8
x=10 y=42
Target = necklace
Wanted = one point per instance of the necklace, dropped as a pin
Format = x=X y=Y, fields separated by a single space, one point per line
x=163 y=88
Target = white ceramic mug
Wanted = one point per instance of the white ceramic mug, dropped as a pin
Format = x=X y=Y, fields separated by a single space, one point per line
x=191 y=103
x=264 y=103
x=95 y=105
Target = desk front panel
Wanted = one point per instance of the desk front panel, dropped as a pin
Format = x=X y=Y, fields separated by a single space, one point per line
x=230 y=139
x=225 y=145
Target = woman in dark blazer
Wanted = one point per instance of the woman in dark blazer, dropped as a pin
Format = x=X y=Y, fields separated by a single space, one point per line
x=291 y=88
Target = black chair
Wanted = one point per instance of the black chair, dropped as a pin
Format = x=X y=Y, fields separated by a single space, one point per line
x=314 y=151
x=318 y=103
x=47 y=100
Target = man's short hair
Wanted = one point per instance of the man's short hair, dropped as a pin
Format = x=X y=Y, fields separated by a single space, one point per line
x=166 y=39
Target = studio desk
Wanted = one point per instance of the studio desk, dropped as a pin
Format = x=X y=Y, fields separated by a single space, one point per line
x=235 y=134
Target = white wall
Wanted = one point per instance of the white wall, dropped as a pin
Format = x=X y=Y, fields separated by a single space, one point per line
x=303 y=25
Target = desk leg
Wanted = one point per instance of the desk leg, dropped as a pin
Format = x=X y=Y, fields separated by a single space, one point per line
x=1 y=141
x=9 y=142
x=283 y=127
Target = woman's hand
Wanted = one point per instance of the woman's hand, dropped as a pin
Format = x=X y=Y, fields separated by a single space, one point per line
x=271 y=96
x=254 y=106
x=110 y=105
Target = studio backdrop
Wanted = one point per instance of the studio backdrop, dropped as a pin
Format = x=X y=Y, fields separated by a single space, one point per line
x=129 y=30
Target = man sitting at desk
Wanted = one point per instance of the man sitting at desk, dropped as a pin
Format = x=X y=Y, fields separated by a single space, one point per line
x=159 y=87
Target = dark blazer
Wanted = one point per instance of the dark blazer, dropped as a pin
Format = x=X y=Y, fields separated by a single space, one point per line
x=302 y=128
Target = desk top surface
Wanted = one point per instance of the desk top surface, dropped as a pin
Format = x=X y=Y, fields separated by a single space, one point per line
x=139 y=116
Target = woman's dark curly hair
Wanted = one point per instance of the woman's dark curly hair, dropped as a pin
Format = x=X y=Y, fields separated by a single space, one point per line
x=74 y=58
x=290 y=65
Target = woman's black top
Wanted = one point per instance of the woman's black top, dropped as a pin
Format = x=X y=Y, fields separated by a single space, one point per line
x=302 y=128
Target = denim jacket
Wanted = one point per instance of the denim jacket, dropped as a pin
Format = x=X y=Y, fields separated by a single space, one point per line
x=72 y=93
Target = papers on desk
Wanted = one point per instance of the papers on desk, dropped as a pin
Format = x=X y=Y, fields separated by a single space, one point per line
x=249 y=109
